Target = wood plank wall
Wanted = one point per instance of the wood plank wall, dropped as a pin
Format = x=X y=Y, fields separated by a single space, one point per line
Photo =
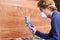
x=12 y=18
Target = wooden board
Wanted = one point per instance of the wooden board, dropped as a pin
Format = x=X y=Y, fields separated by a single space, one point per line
x=12 y=19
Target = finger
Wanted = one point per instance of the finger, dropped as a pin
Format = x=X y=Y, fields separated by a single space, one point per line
x=26 y=24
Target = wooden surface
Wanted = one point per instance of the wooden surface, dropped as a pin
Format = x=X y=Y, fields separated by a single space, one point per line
x=12 y=18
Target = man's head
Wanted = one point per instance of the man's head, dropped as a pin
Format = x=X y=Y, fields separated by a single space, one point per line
x=47 y=6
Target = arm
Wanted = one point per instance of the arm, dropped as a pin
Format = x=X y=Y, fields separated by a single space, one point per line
x=42 y=35
x=38 y=33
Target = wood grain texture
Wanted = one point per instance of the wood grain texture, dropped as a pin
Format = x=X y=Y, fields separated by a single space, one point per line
x=12 y=19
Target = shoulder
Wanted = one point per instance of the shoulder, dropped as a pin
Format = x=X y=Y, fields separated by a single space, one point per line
x=56 y=15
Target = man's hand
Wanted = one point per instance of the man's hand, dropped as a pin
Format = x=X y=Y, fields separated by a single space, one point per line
x=31 y=26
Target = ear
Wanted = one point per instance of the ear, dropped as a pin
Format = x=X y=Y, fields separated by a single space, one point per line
x=49 y=7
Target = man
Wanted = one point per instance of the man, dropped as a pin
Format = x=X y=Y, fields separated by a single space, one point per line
x=48 y=10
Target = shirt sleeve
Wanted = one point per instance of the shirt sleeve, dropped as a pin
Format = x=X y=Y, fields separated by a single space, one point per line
x=42 y=35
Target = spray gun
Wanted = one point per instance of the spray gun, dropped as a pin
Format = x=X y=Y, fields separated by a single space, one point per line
x=27 y=19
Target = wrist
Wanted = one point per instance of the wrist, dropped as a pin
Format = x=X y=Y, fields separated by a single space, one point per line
x=34 y=30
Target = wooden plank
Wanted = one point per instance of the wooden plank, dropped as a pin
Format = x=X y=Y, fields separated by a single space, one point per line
x=12 y=19
x=12 y=22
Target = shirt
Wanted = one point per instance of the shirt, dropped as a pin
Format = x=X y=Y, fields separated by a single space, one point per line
x=54 y=33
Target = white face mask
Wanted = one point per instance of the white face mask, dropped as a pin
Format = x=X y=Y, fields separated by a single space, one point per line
x=43 y=15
